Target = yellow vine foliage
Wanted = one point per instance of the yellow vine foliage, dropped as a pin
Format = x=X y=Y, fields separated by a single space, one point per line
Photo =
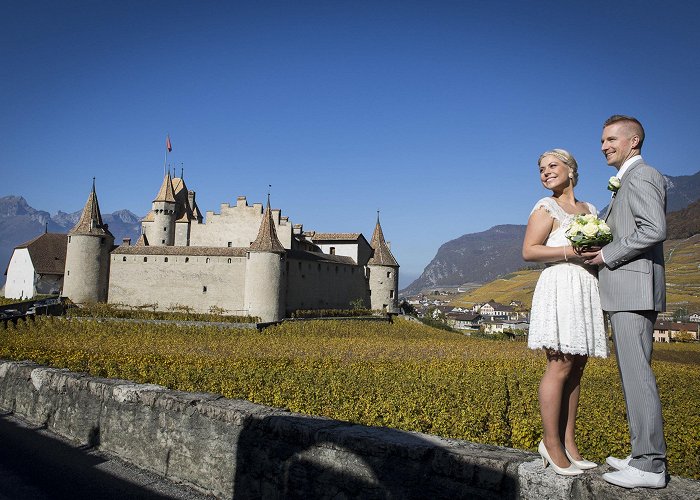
x=402 y=375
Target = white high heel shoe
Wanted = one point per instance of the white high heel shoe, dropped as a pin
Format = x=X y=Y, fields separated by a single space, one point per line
x=582 y=464
x=571 y=470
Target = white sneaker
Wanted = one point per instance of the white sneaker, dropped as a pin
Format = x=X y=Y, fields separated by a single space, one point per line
x=631 y=477
x=618 y=463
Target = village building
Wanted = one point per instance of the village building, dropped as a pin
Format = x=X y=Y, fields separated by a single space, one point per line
x=36 y=267
x=667 y=331
x=244 y=260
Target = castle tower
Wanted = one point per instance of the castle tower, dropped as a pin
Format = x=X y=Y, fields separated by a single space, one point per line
x=265 y=280
x=86 y=277
x=162 y=231
x=383 y=271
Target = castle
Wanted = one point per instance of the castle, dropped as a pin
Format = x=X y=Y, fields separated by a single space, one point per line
x=245 y=260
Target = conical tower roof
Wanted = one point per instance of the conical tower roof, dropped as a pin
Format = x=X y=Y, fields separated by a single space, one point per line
x=267 y=240
x=166 y=192
x=91 y=219
x=382 y=255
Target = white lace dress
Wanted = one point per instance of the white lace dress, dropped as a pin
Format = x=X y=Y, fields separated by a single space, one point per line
x=566 y=315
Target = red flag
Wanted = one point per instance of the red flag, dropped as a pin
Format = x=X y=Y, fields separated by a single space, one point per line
x=168 y=145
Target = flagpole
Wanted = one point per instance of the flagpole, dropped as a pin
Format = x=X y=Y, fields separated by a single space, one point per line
x=165 y=162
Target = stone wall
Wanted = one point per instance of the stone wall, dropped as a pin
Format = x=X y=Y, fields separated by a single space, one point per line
x=238 y=226
x=324 y=284
x=198 y=281
x=236 y=449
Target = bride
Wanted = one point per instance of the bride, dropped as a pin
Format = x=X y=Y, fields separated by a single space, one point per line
x=566 y=318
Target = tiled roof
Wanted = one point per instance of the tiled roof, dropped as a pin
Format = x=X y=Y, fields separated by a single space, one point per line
x=142 y=241
x=319 y=257
x=382 y=255
x=48 y=253
x=267 y=240
x=91 y=219
x=676 y=326
x=166 y=192
x=332 y=236
x=192 y=251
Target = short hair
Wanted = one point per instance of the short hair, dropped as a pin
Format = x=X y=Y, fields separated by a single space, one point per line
x=567 y=158
x=630 y=121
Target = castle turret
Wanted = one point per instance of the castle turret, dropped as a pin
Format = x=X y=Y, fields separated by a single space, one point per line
x=383 y=273
x=86 y=277
x=265 y=280
x=162 y=231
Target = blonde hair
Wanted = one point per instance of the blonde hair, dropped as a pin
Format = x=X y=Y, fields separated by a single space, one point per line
x=567 y=158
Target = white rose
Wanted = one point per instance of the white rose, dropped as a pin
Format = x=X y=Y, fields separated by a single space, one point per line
x=604 y=227
x=589 y=218
x=590 y=229
x=614 y=183
x=575 y=228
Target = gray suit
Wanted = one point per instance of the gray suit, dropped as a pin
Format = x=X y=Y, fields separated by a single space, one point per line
x=633 y=290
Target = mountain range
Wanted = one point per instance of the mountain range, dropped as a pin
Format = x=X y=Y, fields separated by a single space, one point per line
x=19 y=223
x=481 y=257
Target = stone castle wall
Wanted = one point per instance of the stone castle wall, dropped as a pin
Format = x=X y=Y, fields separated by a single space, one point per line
x=324 y=285
x=237 y=225
x=197 y=281
x=87 y=268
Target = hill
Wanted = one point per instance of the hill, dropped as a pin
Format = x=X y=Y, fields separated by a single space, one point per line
x=481 y=257
x=682 y=280
x=475 y=257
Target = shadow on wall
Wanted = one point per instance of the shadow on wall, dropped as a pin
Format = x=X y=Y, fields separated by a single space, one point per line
x=280 y=456
x=33 y=465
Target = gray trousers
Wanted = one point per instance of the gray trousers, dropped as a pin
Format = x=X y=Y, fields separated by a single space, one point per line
x=633 y=336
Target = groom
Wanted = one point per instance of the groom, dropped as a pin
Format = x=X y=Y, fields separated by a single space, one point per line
x=633 y=292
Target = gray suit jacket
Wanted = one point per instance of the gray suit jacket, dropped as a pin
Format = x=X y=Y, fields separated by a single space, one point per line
x=633 y=277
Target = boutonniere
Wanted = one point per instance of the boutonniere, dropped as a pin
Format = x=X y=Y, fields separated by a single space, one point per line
x=613 y=184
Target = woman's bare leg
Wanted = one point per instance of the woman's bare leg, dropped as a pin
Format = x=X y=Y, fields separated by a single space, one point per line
x=551 y=392
x=569 y=406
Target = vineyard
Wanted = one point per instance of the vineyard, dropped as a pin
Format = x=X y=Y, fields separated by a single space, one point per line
x=402 y=375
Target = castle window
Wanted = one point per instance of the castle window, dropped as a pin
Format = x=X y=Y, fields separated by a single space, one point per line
x=102 y=241
x=229 y=261
x=204 y=289
x=391 y=294
x=69 y=239
x=68 y=273
x=165 y=229
x=165 y=259
x=300 y=266
x=388 y=274
x=207 y=262
x=124 y=259
x=145 y=259
x=187 y=259
x=230 y=243
x=162 y=241
x=332 y=250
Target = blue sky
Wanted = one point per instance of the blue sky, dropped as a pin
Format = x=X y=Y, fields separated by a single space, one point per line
x=433 y=112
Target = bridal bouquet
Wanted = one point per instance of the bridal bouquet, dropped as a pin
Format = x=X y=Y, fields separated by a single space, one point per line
x=588 y=231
